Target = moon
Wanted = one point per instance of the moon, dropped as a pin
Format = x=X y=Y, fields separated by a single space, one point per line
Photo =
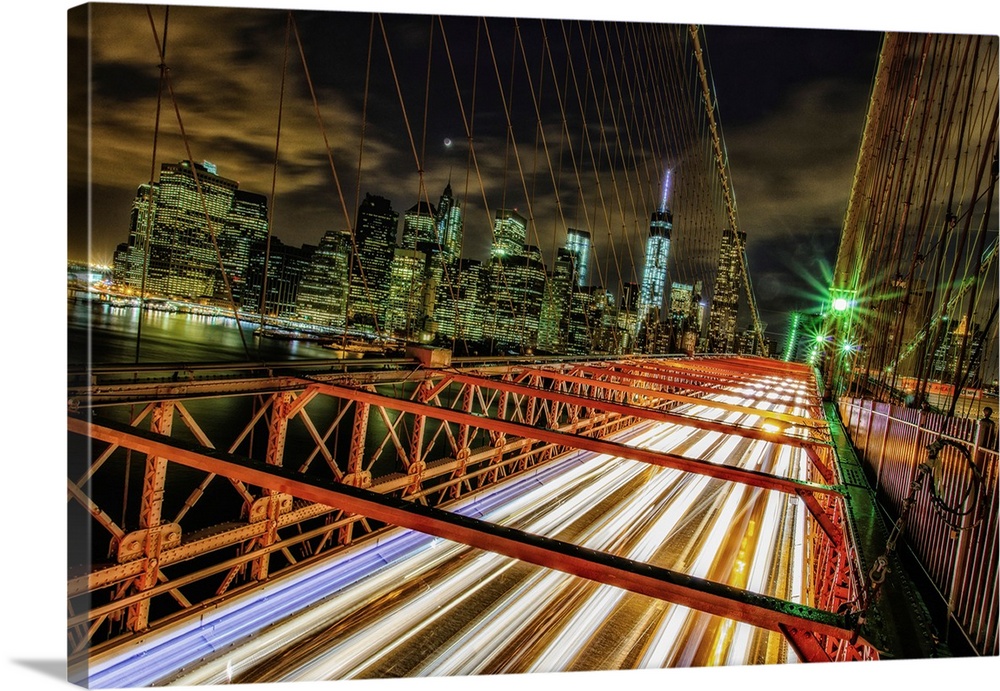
x=447 y=141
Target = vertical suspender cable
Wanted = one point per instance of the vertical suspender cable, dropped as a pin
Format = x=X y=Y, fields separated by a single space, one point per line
x=274 y=182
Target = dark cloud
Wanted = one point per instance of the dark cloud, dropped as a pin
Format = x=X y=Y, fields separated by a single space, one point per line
x=121 y=83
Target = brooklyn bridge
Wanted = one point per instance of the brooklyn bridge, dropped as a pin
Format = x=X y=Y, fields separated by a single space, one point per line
x=590 y=448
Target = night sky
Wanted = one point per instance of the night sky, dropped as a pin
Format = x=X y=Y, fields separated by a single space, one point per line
x=792 y=104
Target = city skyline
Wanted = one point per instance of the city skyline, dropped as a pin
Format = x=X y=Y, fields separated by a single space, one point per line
x=410 y=285
x=747 y=112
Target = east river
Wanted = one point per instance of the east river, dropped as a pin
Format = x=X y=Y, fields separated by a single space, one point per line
x=102 y=334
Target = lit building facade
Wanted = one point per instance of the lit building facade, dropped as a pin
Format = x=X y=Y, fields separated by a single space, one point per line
x=286 y=265
x=725 y=297
x=654 y=272
x=375 y=238
x=450 y=226
x=591 y=322
x=444 y=265
x=245 y=228
x=131 y=266
x=525 y=277
x=681 y=301
x=420 y=226
x=197 y=217
x=628 y=318
x=578 y=246
x=405 y=315
x=510 y=232
x=553 y=326
x=324 y=288
x=470 y=303
x=697 y=318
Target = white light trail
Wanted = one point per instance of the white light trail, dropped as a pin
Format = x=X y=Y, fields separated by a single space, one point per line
x=545 y=620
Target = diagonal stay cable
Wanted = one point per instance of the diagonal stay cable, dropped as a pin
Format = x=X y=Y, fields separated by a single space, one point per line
x=204 y=203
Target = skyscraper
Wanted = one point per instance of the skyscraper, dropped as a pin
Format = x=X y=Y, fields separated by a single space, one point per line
x=420 y=226
x=194 y=212
x=405 y=311
x=444 y=262
x=628 y=318
x=449 y=225
x=681 y=297
x=527 y=283
x=510 y=231
x=654 y=273
x=553 y=327
x=470 y=303
x=697 y=316
x=590 y=321
x=245 y=228
x=726 y=295
x=375 y=238
x=324 y=288
x=578 y=245
x=129 y=271
x=286 y=265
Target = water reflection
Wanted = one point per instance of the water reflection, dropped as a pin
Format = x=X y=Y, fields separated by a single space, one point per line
x=100 y=333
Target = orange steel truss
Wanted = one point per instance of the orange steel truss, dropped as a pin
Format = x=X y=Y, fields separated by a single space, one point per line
x=249 y=471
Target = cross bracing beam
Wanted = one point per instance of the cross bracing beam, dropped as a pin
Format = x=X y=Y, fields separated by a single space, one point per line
x=632 y=374
x=689 y=591
x=701 y=379
x=602 y=446
x=795 y=420
x=808 y=445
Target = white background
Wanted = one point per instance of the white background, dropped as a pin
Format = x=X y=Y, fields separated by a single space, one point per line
x=33 y=449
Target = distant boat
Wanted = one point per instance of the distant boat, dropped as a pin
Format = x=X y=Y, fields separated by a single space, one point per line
x=289 y=334
x=353 y=349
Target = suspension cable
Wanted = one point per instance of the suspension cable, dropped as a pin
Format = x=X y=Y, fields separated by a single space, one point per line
x=204 y=203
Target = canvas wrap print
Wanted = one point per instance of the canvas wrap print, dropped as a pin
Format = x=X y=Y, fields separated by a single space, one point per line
x=407 y=345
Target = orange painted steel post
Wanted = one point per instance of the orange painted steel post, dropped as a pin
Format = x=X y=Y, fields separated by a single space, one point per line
x=417 y=465
x=356 y=475
x=455 y=491
x=150 y=517
x=281 y=405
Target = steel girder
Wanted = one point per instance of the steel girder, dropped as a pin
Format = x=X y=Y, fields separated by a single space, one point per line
x=608 y=403
x=806 y=490
x=601 y=446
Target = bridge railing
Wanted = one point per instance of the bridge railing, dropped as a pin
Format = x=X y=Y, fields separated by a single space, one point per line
x=216 y=537
x=952 y=525
x=171 y=510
